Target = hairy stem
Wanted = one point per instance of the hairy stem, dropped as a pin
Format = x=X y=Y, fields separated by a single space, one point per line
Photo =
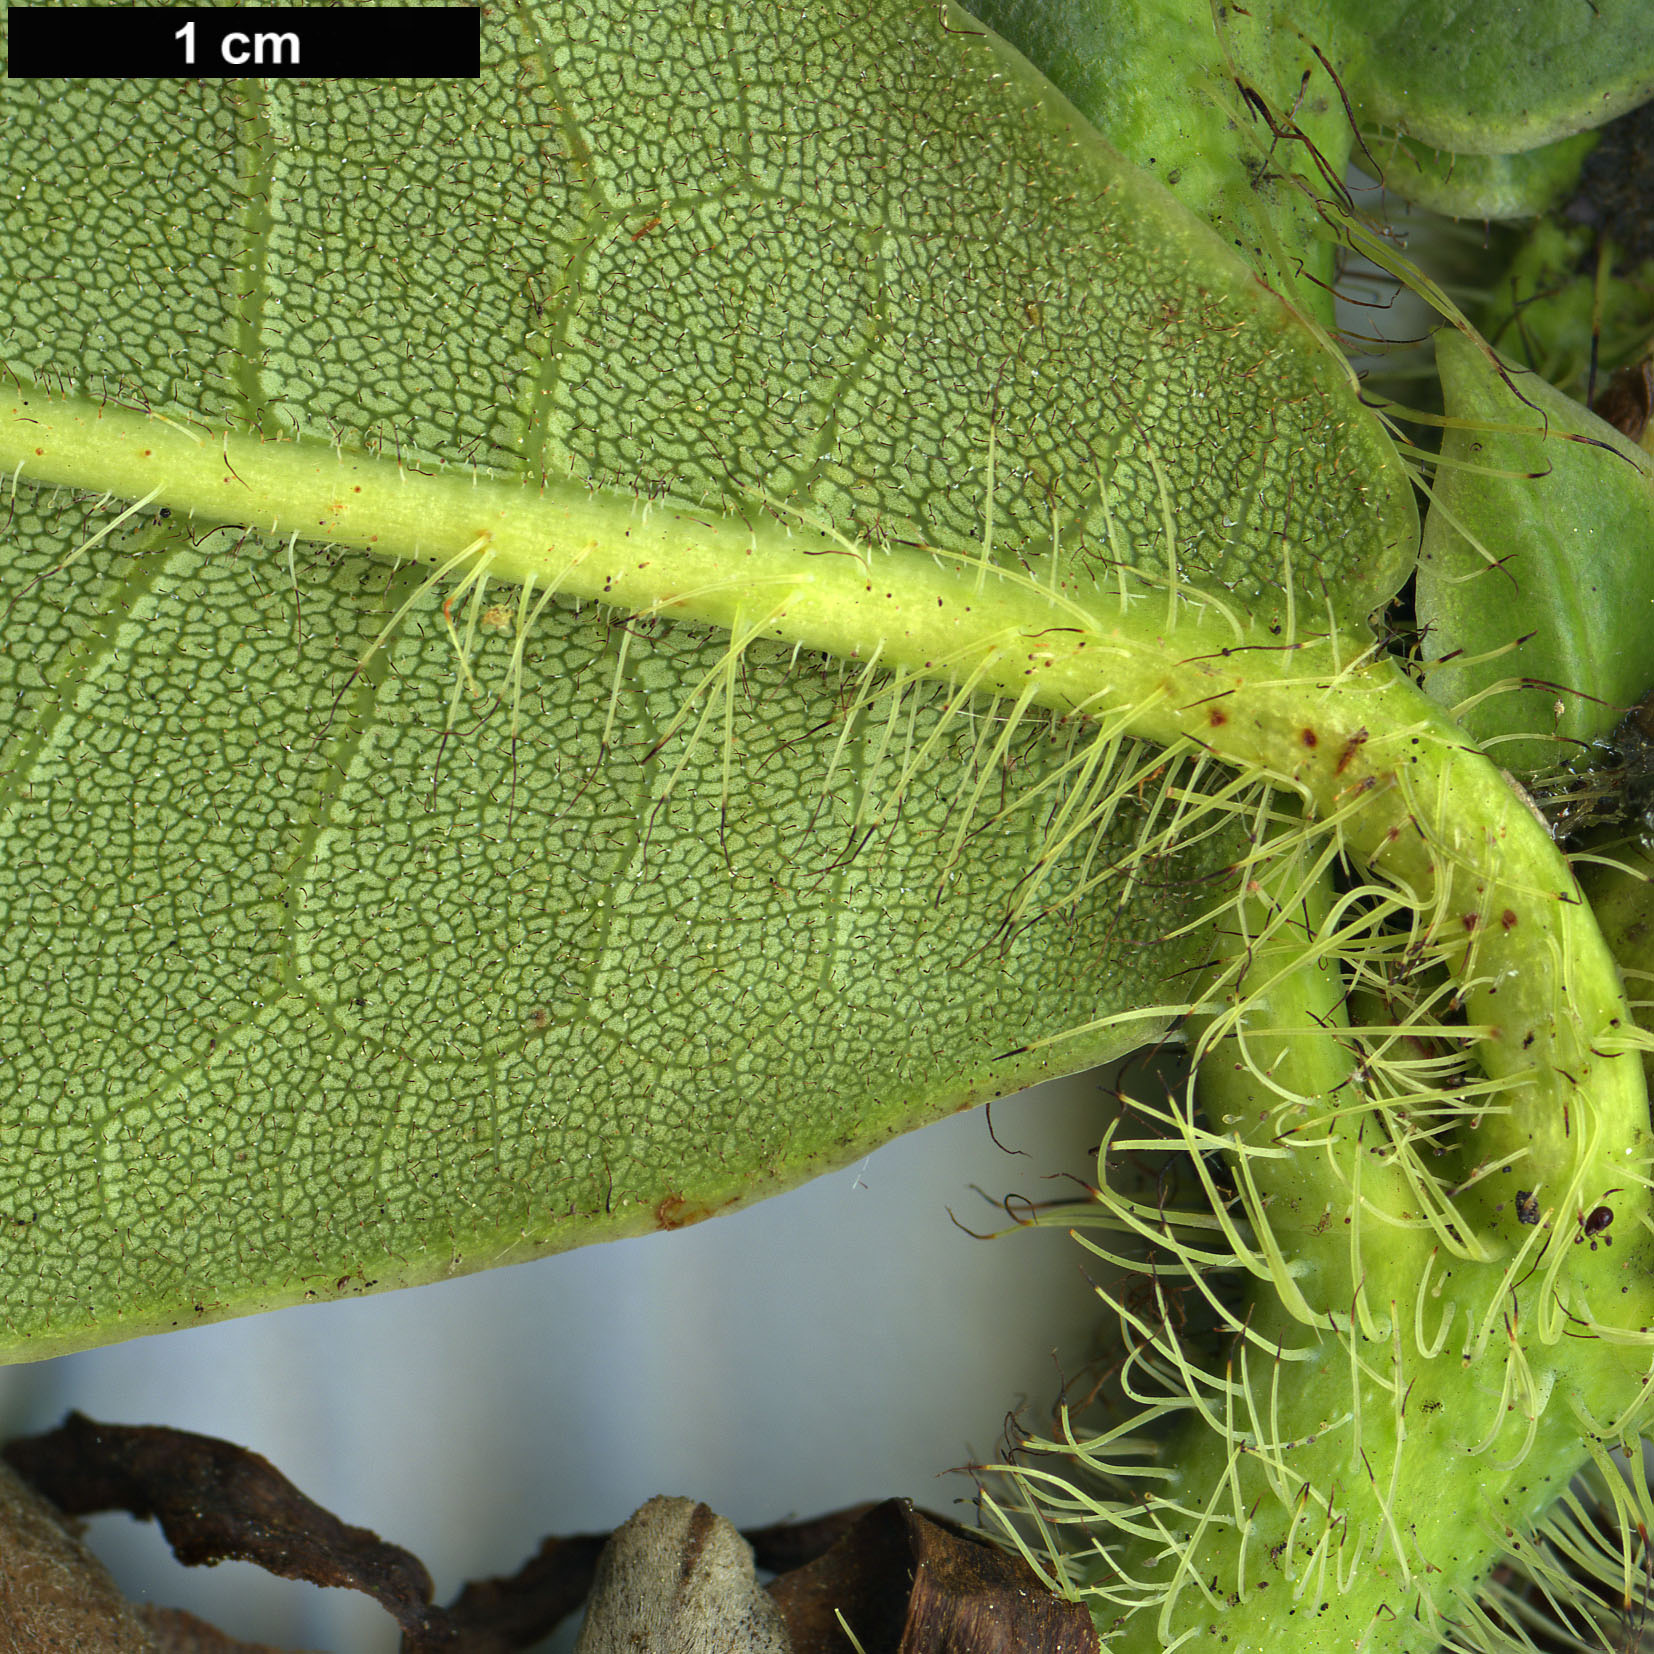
x=1318 y=714
x=1377 y=769
x=1391 y=1419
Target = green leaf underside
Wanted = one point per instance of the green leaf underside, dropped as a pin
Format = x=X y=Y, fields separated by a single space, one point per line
x=717 y=254
x=298 y=989
x=303 y=994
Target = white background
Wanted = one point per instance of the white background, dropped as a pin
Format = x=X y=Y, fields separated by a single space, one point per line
x=843 y=1342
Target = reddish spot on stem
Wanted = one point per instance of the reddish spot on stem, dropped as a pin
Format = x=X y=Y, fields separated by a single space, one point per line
x=1351 y=748
x=1508 y=919
x=1310 y=738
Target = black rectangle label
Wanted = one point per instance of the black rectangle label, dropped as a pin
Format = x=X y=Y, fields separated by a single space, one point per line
x=243 y=42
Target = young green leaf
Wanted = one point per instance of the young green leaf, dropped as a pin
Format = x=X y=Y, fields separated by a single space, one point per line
x=1480 y=186
x=1253 y=113
x=1536 y=585
x=1489 y=79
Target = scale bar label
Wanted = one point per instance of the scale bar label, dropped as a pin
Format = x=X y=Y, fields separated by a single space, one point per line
x=244 y=42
